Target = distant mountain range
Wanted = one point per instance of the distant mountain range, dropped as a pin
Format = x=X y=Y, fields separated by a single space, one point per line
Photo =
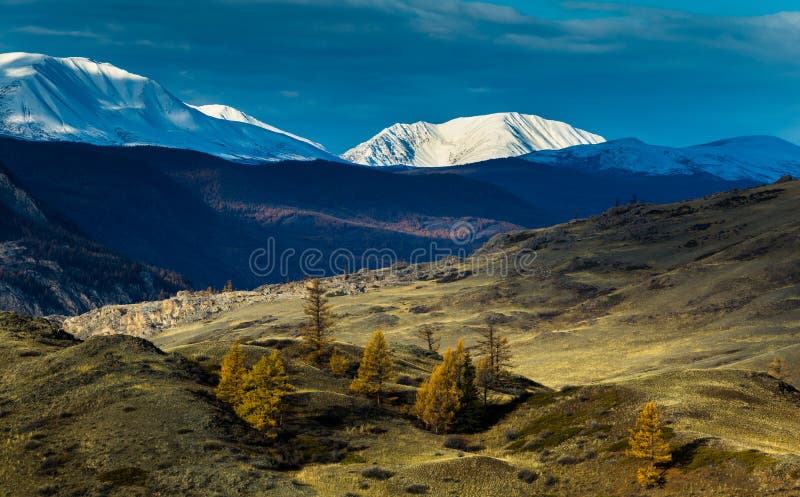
x=80 y=204
x=467 y=140
x=756 y=158
x=75 y=99
x=203 y=216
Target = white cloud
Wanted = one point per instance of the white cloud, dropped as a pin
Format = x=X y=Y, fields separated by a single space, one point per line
x=42 y=31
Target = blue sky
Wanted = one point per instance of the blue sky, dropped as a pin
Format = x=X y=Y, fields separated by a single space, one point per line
x=673 y=72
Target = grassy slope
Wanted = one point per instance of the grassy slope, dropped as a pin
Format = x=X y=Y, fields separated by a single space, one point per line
x=115 y=416
x=702 y=284
x=621 y=300
x=675 y=303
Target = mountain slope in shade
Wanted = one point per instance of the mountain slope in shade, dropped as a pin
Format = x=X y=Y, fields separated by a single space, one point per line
x=48 y=267
x=46 y=98
x=467 y=140
x=761 y=159
x=204 y=216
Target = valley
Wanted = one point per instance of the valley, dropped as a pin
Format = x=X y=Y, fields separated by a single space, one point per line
x=196 y=303
x=683 y=304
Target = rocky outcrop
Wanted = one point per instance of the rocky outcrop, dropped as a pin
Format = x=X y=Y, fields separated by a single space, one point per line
x=147 y=319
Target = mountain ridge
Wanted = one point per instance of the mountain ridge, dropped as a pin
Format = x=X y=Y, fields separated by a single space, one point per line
x=466 y=140
x=45 y=98
x=760 y=158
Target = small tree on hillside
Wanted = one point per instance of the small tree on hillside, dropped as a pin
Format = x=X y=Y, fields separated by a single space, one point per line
x=438 y=399
x=484 y=378
x=339 y=363
x=427 y=332
x=265 y=386
x=375 y=370
x=228 y=287
x=318 y=331
x=232 y=372
x=496 y=349
x=469 y=411
x=647 y=443
x=779 y=370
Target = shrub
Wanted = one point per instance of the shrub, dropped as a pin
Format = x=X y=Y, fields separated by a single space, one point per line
x=527 y=476
x=565 y=460
x=377 y=473
x=407 y=381
x=417 y=488
x=511 y=434
x=124 y=477
x=456 y=442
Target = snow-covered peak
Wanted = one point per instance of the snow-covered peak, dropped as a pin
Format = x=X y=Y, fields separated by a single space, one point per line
x=228 y=113
x=756 y=158
x=466 y=140
x=76 y=99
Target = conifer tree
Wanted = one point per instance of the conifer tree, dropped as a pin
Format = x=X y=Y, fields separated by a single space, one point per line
x=647 y=443
x=338 y=362
x=427 y=332
x=496 y=349
x=469 y=412
x=438 y=399
x=232 y=372
x=318 y=331
x=484 y=377
x=778 y=369
x=375 y=369
x=265 y=386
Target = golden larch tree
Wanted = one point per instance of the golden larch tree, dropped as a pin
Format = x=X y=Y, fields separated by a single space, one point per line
x=647 y=443
x=339 y=363
x=438 y=399
x=496 y=349
x=484 y=378
x=375 y=370
x=232 y=372
x=265 y=386
x=318 y=330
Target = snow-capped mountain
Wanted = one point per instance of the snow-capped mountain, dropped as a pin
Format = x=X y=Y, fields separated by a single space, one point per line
x=46 y=98
x=227 y=113
x=467 y=140
x=758 y=158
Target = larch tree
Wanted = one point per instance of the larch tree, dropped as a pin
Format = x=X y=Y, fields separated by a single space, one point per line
x=469 y=411
x=439 y=397
x=427 y=333
x=496 y=349
x=232 y=372
x=647 y=443
x=265 y=386
x=778 y=369
x=339 y=363
x=484 y=377
x=318 y=331
x=375 y=370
